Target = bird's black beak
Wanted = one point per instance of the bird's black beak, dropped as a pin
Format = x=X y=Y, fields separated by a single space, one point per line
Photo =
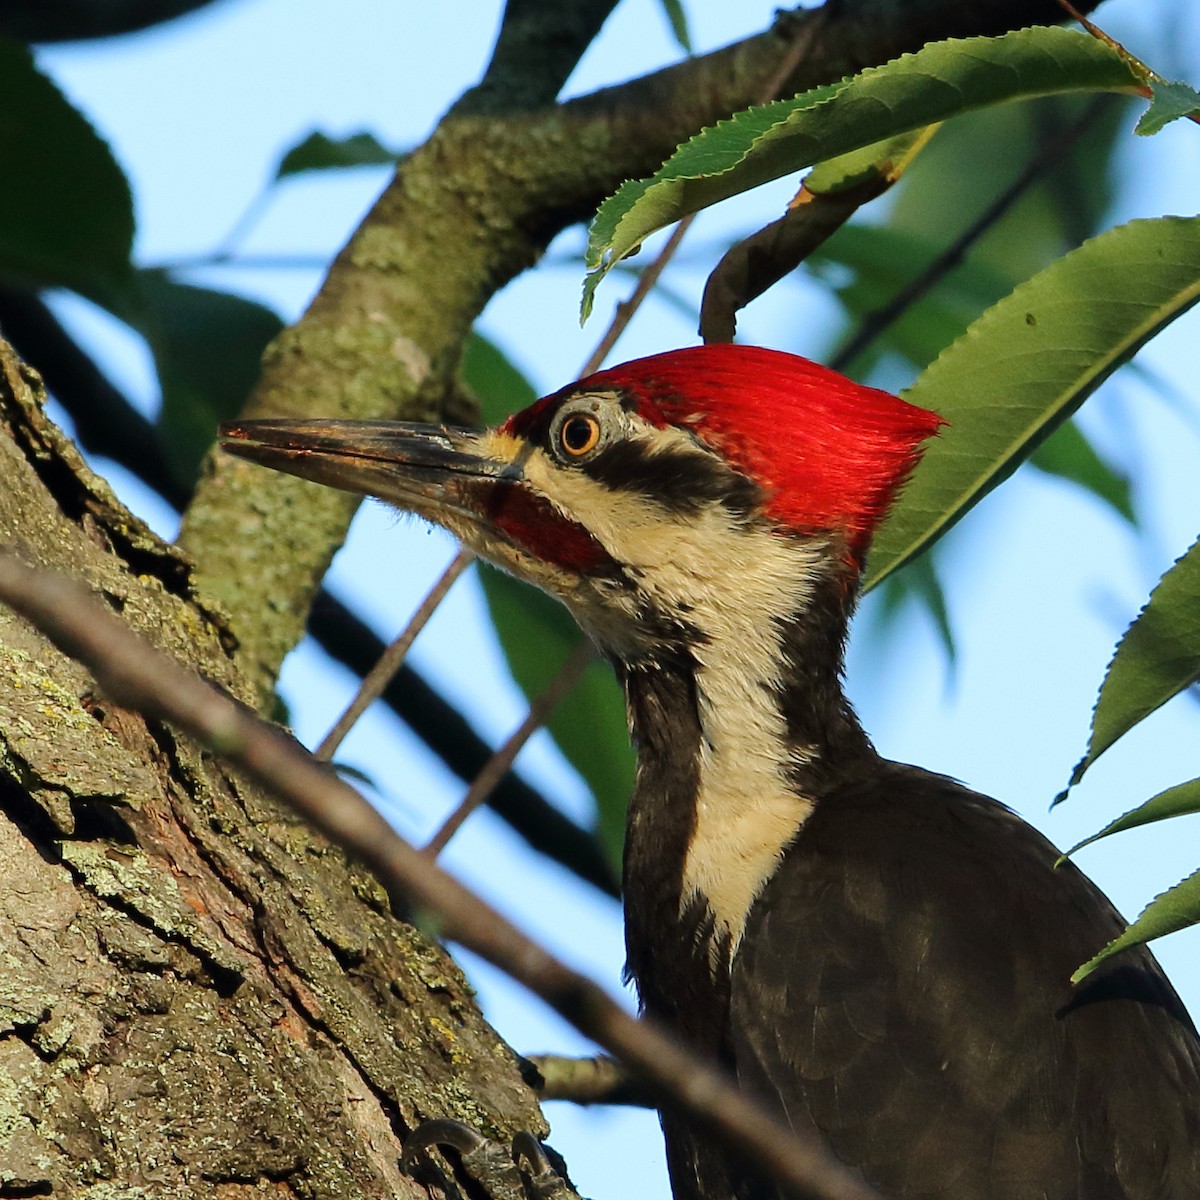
x=431 y=470
x=472 y=483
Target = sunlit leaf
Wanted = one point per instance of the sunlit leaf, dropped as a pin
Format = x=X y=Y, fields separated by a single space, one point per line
x=1157 y=658
x=1178 y=801
x=937 y=82
x=1175 y=909
x=319 y=152
x=1168 y=102
x=66 y=215
x=890 y=157
x=1028 y=363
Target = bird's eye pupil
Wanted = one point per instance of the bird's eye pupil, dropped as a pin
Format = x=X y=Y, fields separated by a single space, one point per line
x=579 y=434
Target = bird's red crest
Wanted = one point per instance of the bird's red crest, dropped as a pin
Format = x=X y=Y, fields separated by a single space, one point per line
x=829 y=452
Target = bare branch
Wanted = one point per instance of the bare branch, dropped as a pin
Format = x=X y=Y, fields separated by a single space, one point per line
x=133 y=674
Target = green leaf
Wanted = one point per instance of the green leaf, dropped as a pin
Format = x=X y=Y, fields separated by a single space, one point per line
x=208 y=347
x=677 y=19
x=319 y=152
x=1168 y=102
x=1157 y=658
x=66 y=214
x=889 y=158
x=1069 y=455
x=1176 y=801
x=1029 y=362
x=589 y=725
x=1175 y=909
x=760 y=144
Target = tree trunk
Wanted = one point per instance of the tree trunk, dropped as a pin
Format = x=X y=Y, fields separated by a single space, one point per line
x=198 y=996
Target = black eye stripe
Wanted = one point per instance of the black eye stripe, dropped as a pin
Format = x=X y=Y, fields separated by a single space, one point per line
x=679 y=480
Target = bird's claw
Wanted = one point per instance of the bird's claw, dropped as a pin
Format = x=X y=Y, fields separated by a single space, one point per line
x=525 y=1171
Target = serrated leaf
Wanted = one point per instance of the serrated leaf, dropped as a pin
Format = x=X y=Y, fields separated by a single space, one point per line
x=1068 y=455
x=66 y=214
x=320 y=152
x=1173 y=910
x=1168 y=102
x=207 y=347
x=1157 y=658
x=1029 y=362
x=1178 y=801
x=760 y=144
x=889 y=158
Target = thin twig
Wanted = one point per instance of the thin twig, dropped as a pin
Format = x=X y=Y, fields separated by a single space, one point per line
x=875 y=323
x=380 y=675
x=540 y=708
x=133 y=674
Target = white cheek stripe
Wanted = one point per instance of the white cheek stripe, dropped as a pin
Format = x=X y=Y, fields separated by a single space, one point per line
x=734 y=584
x=747 y=811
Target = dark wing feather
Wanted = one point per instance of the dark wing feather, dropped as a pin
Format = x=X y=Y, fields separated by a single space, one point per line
x=903 y=988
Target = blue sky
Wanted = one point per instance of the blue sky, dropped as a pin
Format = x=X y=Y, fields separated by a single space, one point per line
x=1045 y=579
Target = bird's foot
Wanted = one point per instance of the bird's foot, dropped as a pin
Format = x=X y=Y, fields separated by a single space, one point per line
x=526 y=1170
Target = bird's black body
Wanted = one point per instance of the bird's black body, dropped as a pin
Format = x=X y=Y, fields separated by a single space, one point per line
x=880 y=955
x=902 y=986
x=921 y=942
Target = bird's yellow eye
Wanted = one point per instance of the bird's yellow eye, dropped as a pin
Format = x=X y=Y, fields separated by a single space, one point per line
x=579 y=434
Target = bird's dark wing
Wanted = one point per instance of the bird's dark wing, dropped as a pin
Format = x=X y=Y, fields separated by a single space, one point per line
x=903 y=988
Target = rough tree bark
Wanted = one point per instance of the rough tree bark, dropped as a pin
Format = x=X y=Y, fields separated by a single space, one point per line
x=198 y=996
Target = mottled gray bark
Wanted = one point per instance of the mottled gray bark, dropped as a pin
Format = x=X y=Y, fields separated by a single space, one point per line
x=198 y=996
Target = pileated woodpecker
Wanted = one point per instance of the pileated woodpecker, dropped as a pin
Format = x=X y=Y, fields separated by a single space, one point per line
x=876 y=952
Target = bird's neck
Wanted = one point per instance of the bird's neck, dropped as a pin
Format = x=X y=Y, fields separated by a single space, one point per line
x=738 y=736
